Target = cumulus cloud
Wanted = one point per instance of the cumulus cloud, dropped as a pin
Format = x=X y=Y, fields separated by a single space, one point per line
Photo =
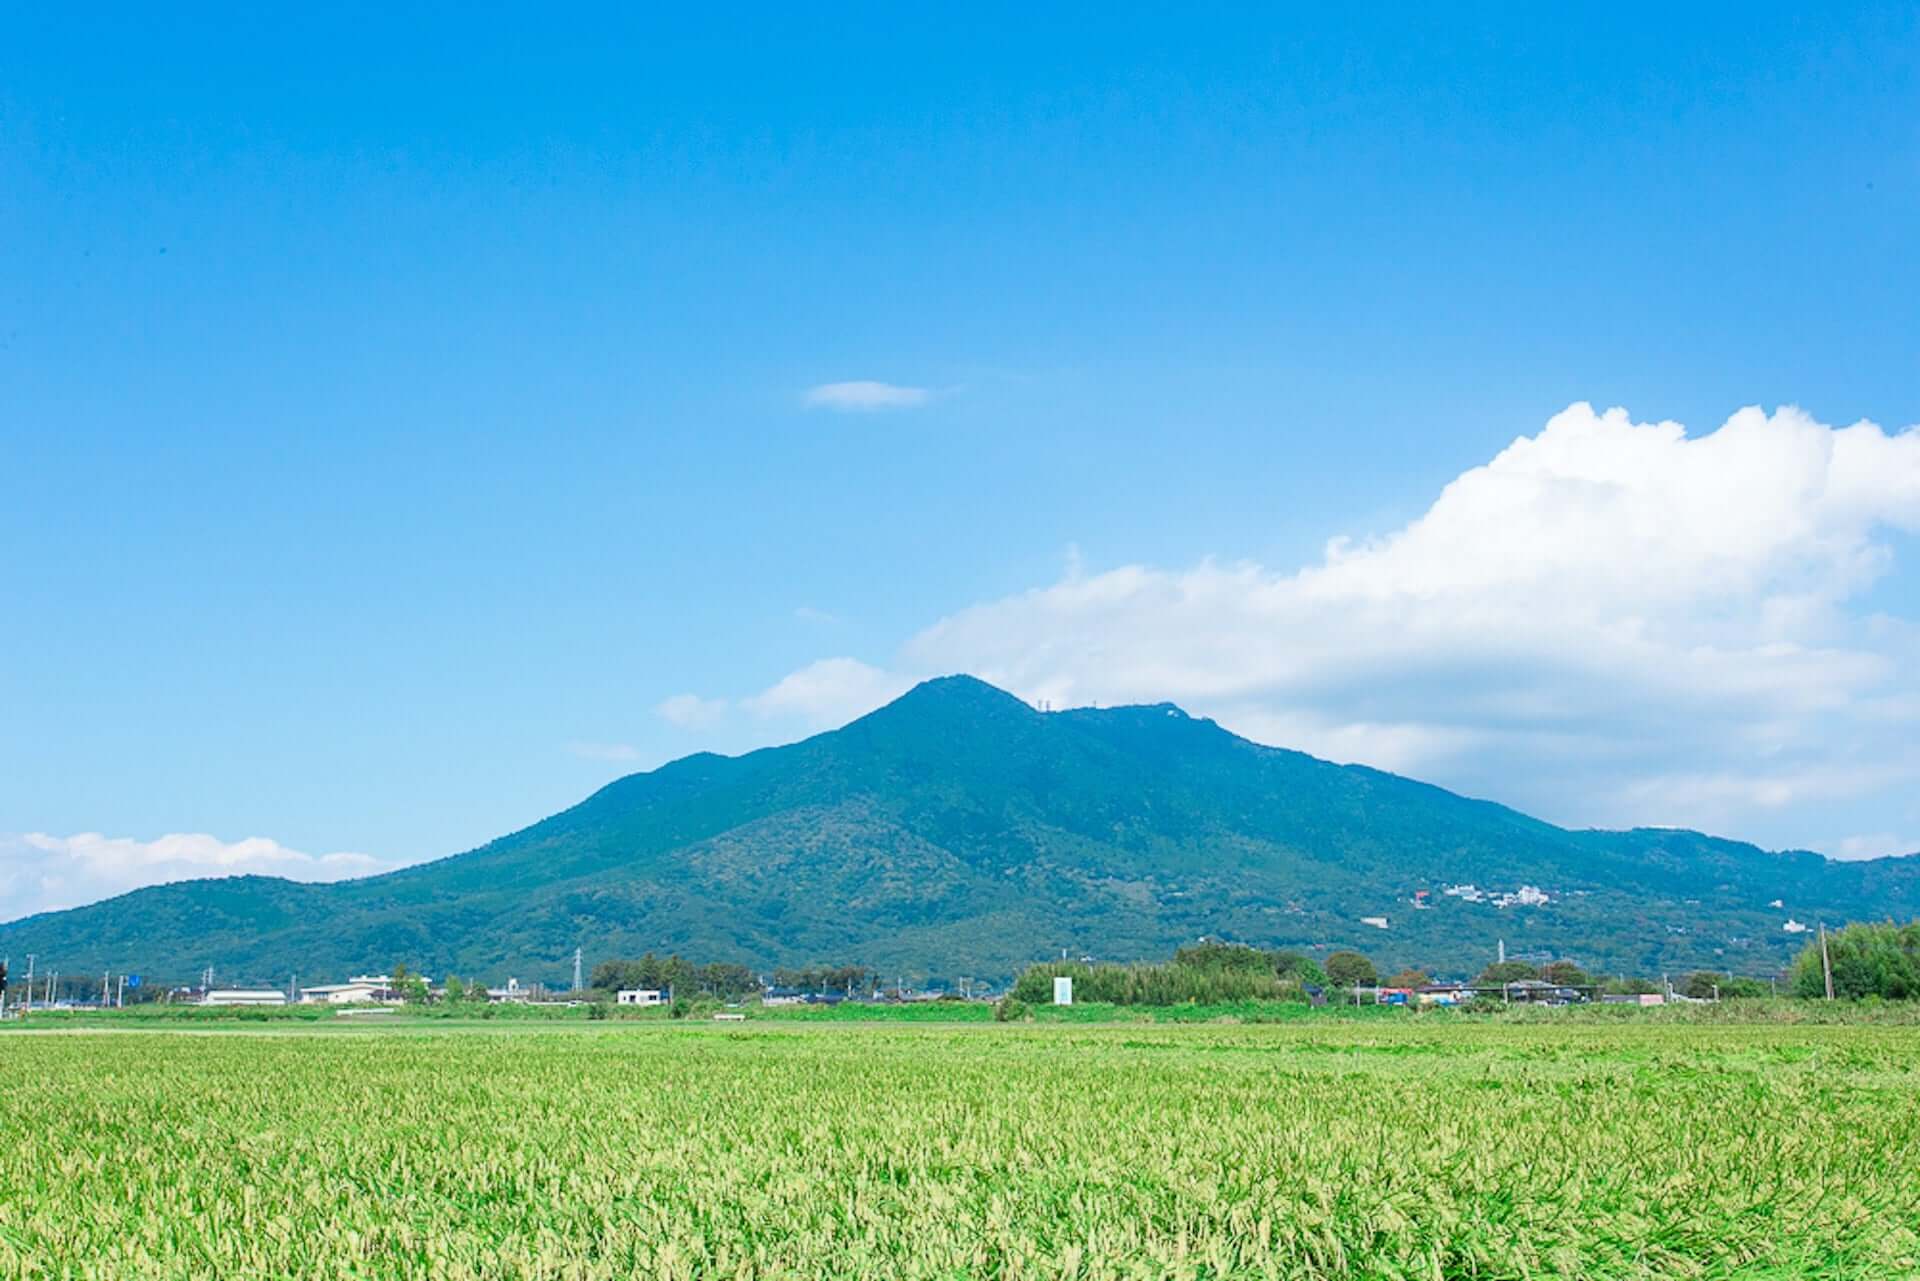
x=829 y=692
x=1609 y=622
x=863 y=396
x=40 y=873
x=690 y=711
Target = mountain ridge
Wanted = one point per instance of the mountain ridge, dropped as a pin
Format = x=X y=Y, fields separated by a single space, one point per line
x=960 y=830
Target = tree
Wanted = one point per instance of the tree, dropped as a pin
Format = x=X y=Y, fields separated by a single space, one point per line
x=410 y=988
x=1703 y=985
x=1501 y=973
x=1307 y=973
x=455 y=989
x=1880 y=959
x=1224 y=956
x=1409 y=978
x=1350 y=969
x=1566 y=974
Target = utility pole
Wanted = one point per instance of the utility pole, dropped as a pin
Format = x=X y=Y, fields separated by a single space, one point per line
x=28 y=1007
x=1826 y=961
x=120 y=999
x=106 y=981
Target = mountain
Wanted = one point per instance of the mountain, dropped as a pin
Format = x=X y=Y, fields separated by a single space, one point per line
x=960 y=831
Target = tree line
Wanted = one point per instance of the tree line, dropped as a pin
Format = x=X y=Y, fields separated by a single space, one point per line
x=1212 y=972
x=675 y=973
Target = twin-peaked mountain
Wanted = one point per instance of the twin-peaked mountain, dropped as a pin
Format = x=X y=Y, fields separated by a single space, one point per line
x=958 y=831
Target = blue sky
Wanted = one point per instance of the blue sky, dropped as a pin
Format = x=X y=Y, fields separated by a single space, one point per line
x=405 y=421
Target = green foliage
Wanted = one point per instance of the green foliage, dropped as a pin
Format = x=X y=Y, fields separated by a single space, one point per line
x=958 y=831
x=1168 y=984
x=1299 y=967
x=1351 y=969
x=411 y=988
x=851 y=980
x=1566 y=974
x=1626 y=985
x=1707 y=985
x=722 y=980
x=1654 y=1150
x=1880 y=960
x=1221 y=958
x=1503 y=972
x=1408 y=978
x=1010 y=1009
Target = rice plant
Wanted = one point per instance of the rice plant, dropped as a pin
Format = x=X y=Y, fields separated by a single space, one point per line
x=1383 y=1150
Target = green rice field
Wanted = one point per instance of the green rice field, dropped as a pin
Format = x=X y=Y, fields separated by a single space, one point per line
x=1411 y=1149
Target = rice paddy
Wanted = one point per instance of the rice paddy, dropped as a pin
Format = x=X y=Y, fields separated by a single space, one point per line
x=1432 y=1149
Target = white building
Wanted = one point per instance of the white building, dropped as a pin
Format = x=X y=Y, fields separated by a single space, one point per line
x=641 y=996
x=511 y=992
x=359 y=992
x=245 y=996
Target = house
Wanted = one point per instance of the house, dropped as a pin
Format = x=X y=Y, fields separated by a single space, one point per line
x=511 y=992
x=357 y=993
x=1445 y=994
x=641 y=996
x=1392 y=995
x=1541 y=992
x=245 y=996
x=782 y=996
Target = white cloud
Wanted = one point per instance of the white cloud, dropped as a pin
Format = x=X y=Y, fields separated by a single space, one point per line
x=690 y=711
x=1610 y=622
x=619 y=753
x=828 y=693
x=864 y=396
x=40 y=873
x=1876 y=845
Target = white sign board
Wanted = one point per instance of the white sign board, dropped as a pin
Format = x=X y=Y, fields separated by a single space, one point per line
x=1063 y=991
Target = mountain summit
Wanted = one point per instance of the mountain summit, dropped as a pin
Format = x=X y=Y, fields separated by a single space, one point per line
x=958 y=830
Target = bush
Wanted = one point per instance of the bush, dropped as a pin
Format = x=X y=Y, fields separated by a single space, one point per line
x=1170 y=984
x=1880 y=960
x=1501 y=973
x=1707 y=985
x=1351 y=969
x=1566 y=974
x=1010 y=1009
